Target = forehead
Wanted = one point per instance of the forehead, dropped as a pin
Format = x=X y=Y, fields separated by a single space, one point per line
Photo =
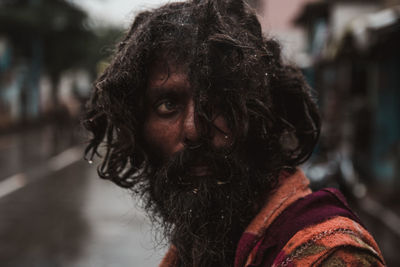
x=167 y=75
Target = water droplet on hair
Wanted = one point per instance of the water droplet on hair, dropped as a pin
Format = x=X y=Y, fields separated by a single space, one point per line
x=266 y=74
x=90 y=161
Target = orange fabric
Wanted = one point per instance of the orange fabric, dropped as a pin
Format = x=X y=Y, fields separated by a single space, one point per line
x=289 y=190
x=313 y=245
x=170 y=259
x=351 y=257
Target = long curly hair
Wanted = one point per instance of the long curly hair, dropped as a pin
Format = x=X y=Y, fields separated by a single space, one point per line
x=233 y=70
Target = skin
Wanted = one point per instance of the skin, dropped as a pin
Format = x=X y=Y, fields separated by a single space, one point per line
x=170 y=122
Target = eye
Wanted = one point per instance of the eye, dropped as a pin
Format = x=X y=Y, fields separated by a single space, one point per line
x=166 y=107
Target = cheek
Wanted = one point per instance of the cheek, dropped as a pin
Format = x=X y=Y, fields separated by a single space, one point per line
x=220 y=139
x=161 y=136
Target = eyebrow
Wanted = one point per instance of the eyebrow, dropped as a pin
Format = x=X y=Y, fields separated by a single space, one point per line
x=165 y=90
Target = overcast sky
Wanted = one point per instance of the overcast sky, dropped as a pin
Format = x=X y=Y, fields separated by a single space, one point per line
x=119 y=12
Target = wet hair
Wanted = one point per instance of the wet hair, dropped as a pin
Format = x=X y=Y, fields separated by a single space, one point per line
x=233 y=71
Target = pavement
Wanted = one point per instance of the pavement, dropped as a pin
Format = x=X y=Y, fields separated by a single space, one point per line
x=55 y=211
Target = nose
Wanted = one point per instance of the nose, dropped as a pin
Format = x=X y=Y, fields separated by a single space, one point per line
x=190 y=131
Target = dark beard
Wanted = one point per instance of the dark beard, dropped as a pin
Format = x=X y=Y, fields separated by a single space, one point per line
x=205 y=216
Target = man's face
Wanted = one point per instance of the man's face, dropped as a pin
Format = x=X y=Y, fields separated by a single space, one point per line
x=204 y=191
x=170 y=123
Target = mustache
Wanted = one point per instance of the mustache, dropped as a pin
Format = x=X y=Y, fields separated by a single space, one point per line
x=181 y=165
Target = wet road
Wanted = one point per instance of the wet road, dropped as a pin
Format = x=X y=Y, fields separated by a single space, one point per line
x=56 y=212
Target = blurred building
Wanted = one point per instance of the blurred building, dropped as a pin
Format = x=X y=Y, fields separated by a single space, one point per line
x=353 y=61
x=43 y=67
x=276 y=18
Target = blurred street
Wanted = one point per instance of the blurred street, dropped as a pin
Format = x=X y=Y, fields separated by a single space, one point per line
x=57 y=212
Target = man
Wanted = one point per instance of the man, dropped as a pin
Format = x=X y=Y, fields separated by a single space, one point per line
x=200 y=117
